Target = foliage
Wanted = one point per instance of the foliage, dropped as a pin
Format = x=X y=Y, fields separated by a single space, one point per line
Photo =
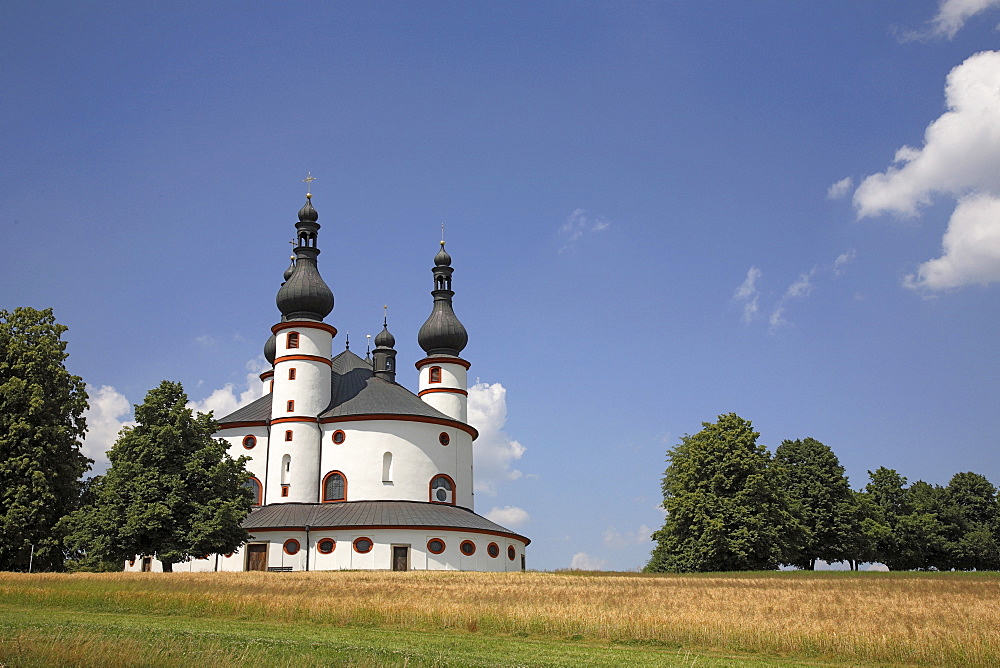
x=41 y=432
x=725 y=511
x=821 y=499
x=172 y=490
x=971 y=516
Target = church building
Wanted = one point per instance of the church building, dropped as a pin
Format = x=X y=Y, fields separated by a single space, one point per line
x=350 y=469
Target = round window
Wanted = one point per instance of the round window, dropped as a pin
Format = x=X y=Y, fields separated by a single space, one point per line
x=363 y=545
x=326 y=545
x=291 y=546
x=468 y=548
x=441 y=494
x=444 y=438
x=249 y=442
x=131 y=562
x=339 y=436
x=435 y=545
x=511 y=552
x=493 y=550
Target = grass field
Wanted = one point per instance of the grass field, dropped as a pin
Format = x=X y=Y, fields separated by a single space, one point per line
x=482 y=619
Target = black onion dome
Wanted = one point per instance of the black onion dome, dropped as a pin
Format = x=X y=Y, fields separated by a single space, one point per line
x=307 y=214
x=271 y=349
x=442 y=259
x=291 y=269
x=385 y=339
x=305 y=295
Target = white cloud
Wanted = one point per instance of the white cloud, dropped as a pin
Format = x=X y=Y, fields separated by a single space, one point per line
x=952 y=15
x=971 y=248
x=842 y=260
x=749 y=295
x=228 y=398
x=579 y=224
x=799 y=289
x=495 y=451
x=840 y=188
x=960 y=158
x=614 y=538
x=508 y=516
x=206 y=340
x=104 y=421
x=584 y=562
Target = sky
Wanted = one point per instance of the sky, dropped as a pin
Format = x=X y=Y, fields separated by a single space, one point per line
x=658 y=213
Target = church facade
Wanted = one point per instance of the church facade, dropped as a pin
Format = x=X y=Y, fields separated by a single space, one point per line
x=351 y=470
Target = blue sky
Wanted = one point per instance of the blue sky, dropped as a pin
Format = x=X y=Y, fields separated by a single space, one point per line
x=658 y=213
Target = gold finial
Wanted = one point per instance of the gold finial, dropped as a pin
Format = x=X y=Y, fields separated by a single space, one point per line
x=308 y=181
x=442 y=234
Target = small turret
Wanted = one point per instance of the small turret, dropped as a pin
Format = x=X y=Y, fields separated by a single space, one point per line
x=305 y=295
x=384 y=355
x=442 y=333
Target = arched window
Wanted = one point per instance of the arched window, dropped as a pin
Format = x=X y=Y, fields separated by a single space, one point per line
x=435 y=374
x=387 y=467
x=442 y=489
x=293 y=340
x=286 y=469
x=255 y=489
x=334 y=487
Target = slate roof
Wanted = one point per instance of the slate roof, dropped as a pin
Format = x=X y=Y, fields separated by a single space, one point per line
x=356 y=390
x=370 y=514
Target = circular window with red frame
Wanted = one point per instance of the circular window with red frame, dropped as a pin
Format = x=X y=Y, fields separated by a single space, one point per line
x=493 y=550
x=511 y=552
x=435 y=546
x=291 y=546
x=444 y=438
x=249 y=442
x=131 y=562
x=468 y=548
x=363 y=545
x=339 y=436
x=326 y=545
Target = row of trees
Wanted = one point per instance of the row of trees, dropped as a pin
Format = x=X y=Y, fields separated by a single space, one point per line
x=171 y=491
x=731 y=505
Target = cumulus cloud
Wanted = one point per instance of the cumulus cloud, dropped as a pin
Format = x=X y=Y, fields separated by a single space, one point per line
x=229 y=397
x=495 y=452
x=108 y=413
x=616 y=539
x=749 y=295
x=584 y=562
x=952 y=15
x=508 y=516
x=578 y=224
x=960 y=158
x=840 y=188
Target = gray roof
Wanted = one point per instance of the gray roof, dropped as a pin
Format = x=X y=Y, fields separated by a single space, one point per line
x=356 y=390
x=370 y=514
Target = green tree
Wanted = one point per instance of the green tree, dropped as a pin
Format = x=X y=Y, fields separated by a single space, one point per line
x=725 y=511
x=971 y=513
x=821 y=499
x=171 y=491
x=909 y=531
x=41 y=432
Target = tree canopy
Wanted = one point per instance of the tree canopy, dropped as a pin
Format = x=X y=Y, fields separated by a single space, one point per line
x=41 y=432
x=725 y=511
x=171 y=491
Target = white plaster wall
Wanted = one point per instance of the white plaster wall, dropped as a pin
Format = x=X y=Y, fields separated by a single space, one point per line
x=312 y=341
x=304 y=472
x=452 y=375
x=417 y=456
x=258 y=454
x=310 y=390
x=452 y=404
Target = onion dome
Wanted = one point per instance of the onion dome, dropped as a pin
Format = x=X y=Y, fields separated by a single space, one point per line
x=271 y=349
x=384 y=339
x=384 y=356
x=304 y=295
x=291 y=269
x=442 y=333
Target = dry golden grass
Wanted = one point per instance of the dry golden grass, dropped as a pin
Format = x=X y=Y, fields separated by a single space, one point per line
x=929 y=619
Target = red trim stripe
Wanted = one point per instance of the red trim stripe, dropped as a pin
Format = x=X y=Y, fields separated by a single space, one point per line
x=304 y=324
x=443 y=360
x=415 y=527
x=442 y=389
x=405 y=418
x=308 y=358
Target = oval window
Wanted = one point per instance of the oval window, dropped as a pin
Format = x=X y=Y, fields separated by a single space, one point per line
x=363 y=545
x=435 y=546
x=444 y=438
x=511 y=552
x=493 y=550
x=326 y=545
x=249 y=442
x=131 y=562
x=291 y=546
x=468 y=548
x=339 y=436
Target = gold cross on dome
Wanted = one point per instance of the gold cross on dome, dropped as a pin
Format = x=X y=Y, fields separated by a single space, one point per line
x=308 y=181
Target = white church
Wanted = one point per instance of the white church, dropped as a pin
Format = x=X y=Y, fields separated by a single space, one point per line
x=351 y=470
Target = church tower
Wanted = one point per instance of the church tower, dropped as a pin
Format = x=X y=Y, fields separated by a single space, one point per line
x=303 y=346
x=443 y=373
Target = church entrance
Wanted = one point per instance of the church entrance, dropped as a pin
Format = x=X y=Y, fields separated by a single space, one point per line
x=147 y=564
x=257 y=557
x=400 y=557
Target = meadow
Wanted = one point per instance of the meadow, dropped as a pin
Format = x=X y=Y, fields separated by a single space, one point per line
x=544 y=619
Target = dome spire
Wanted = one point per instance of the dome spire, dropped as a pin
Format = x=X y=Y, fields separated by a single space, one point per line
x=442 y=333
x=384 y=355
x=304 y=295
